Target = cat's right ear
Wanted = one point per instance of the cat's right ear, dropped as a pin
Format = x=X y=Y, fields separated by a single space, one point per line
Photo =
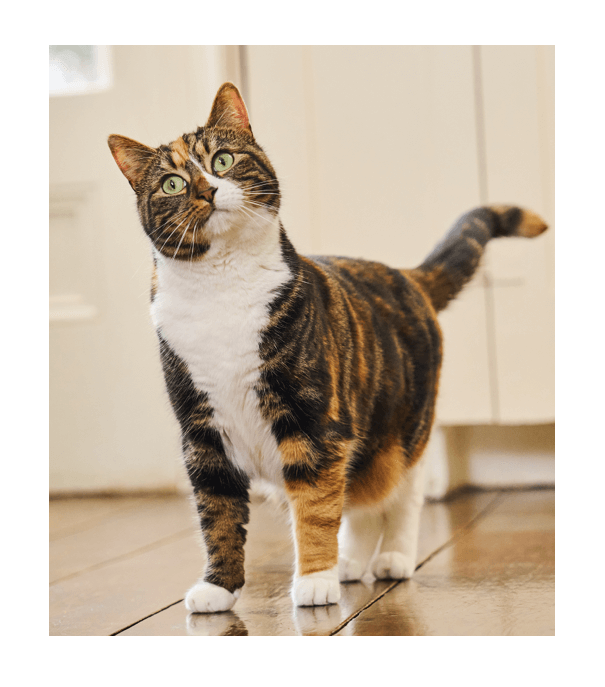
x=229 y=110
x=131 y=157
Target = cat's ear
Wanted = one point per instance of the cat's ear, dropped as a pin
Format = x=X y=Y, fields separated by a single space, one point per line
x=228 y=110
x=132 y=157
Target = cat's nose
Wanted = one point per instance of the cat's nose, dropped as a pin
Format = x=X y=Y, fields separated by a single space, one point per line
x=207 y=193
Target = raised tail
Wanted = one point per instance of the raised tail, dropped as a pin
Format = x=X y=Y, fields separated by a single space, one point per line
x=453 y=261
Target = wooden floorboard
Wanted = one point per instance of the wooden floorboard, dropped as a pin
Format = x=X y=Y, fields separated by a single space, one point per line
x=123 y=568
x=496 y=579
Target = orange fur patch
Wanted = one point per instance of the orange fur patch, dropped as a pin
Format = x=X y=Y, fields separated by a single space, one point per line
x=180 y=152
x=317 y=510
x=531 y=224
x=296 y=450
x=374 y=484
x=154 y=282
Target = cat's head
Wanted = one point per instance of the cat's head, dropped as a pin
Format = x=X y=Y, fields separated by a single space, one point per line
x=204 y=184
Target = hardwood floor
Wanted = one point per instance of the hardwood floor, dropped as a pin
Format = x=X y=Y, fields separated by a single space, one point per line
x=120 y=566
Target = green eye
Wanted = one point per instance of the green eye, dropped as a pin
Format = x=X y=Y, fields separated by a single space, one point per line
x=173 y=184
x=222 y=162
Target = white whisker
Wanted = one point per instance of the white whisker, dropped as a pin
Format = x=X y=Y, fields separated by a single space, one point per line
x=172 y=218
x=262 y=183
x=171 y=233
x=193 y=242
x=260 y=205
x=181 y=241
x=256 y=213
x=245 y=211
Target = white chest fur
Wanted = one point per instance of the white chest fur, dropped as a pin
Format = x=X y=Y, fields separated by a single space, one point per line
x=211 y=313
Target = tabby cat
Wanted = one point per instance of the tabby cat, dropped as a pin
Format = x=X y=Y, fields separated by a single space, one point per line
x=317 y=375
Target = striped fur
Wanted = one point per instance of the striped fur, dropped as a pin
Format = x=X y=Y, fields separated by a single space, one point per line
x=317 y=374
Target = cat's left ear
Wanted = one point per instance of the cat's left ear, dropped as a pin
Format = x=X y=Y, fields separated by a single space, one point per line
x=228 y=110
x=132 y=158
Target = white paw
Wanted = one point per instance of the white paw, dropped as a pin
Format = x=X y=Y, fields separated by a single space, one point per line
x=317 y=589
x=349 y=570
x=392 y=565
x=205 y=597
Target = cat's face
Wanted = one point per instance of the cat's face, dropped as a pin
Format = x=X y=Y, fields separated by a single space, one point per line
x=202 y=185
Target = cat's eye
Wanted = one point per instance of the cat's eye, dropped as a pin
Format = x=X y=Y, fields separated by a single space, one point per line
x=222 y=162
x=173 y=185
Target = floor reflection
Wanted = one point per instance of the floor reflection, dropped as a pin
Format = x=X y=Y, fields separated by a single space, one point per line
x=227 y=624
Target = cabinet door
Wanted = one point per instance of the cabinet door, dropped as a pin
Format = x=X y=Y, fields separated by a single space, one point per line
x=377 y=151
x=518 y=104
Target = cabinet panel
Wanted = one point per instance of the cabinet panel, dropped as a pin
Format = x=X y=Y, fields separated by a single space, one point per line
x=279 y=107
x=518 y=97
x=378 y=147
x=524 y=322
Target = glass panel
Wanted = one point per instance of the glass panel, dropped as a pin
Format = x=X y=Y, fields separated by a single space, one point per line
x=78 y=69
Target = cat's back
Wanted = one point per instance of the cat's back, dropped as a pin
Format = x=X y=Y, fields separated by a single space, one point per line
x=375 y=288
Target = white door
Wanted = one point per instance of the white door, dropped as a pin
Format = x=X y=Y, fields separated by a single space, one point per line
x=111 y=426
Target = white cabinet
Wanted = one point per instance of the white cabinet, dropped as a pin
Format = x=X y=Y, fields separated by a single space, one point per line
x=518 y=102
x=381 y=148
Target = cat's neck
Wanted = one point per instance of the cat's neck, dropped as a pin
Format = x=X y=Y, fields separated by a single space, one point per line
x=240 y=256
x=227 y=293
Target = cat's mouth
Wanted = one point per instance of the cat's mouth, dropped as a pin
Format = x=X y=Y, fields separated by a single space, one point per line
x=185 y=238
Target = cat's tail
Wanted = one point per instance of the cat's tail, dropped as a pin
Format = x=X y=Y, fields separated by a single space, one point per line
x=453 y=261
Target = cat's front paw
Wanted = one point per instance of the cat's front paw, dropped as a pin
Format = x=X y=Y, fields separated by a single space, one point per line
x=316 y=589
x=393 y=565
x=205 y=597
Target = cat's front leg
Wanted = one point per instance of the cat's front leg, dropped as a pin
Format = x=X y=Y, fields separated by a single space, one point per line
x=221 y=497
x=316 y=501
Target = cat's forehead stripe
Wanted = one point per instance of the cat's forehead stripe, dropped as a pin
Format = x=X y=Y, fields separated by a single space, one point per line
x=180 y=152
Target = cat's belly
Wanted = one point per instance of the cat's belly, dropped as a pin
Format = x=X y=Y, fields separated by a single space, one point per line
x=219 y=344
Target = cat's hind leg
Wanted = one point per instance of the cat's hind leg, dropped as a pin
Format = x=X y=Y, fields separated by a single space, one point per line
x=399 y=546
x=358 y=539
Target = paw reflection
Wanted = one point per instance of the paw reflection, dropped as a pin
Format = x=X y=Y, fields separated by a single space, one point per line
x=316 y=620
x=216 y=624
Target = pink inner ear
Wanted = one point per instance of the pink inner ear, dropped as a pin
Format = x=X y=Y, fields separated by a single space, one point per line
x=120 y=157
x=122 y=164
x=240 y=108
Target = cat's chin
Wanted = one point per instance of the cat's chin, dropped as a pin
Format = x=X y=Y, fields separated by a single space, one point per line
x=240 y=223
x=220 y=222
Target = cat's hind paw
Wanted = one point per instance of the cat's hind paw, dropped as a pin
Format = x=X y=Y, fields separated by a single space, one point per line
x=316 y=589
x=350 y=570
x=393 y=565
x=205 y=597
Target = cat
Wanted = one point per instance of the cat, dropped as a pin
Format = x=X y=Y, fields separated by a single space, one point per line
x=316 y=374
